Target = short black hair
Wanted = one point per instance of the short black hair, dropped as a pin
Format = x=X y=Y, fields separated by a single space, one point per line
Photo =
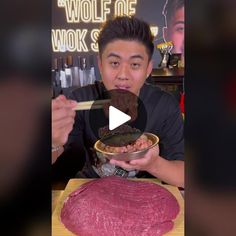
x=126 y=28
x=171 y=7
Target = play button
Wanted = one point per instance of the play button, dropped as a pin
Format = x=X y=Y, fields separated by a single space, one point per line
x=117 y=118
x=123 y=112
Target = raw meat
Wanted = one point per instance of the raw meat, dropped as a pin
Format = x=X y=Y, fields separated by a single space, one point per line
x=141 y=143
x=114 y=206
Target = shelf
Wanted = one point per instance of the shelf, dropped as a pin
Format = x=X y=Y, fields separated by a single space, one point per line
x=167 y=76
x=166 y=72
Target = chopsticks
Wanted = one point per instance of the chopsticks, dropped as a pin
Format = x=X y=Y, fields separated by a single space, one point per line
x=97 y=104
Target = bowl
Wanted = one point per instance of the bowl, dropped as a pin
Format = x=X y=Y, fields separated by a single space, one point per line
x=127 y=156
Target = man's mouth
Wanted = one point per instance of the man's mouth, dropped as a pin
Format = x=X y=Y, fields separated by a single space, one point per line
x=125 y=87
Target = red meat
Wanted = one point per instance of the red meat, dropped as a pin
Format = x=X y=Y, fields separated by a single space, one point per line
x=114 y=206
x=141 y=143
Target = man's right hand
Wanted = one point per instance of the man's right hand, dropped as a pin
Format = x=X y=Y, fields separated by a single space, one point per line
x=63 y=118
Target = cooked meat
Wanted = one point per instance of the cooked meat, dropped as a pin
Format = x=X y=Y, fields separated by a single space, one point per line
x=105 y=132
x=123 y=100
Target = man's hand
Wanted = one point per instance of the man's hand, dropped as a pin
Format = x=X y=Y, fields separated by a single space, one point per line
x=171 y=172
x=145 y=163
x=62 y=119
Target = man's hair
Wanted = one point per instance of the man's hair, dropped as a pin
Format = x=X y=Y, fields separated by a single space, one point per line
x=171 y=7
x=126 y=28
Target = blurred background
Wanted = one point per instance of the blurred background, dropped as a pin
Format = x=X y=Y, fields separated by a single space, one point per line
x=210 y=117
x=25 y=152
x=210 y=125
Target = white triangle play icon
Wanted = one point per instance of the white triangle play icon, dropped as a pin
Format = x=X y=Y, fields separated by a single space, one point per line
x=117 y=118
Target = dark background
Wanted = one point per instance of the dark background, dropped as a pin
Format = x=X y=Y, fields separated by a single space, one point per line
x=210 y=123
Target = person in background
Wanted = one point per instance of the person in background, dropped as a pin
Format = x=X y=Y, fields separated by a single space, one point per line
x=173 y=12
x=125 y=61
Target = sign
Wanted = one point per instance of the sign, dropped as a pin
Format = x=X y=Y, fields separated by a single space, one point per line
x=88 y=12
x=76 y=23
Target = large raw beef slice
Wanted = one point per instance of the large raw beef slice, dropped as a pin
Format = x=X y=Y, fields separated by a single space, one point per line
x=114 y=206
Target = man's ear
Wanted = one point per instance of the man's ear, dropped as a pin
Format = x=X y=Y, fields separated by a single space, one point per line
x=149 y=68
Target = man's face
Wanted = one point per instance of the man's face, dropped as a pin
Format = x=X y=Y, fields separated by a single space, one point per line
x=124 y=65
x=175 y=31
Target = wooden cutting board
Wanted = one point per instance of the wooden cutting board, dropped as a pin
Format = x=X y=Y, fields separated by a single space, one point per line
x=58 y=228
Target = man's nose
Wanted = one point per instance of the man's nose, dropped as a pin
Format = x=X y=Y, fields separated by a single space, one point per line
x=123 y=73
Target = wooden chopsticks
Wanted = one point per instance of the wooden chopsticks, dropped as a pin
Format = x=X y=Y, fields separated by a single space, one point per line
x=97 y=104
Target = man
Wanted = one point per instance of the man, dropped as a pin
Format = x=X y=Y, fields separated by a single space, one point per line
x=125 y=52
x=174 y=29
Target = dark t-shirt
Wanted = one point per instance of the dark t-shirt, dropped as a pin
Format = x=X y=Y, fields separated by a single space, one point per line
x=163 y=119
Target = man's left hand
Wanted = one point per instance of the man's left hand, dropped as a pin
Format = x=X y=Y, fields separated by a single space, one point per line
x=144 y=163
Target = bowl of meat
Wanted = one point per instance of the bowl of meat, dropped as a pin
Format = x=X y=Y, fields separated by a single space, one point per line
x=130 y=150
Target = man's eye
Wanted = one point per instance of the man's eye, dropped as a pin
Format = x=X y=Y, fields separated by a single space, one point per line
x=135 y=65
x=114 y=63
